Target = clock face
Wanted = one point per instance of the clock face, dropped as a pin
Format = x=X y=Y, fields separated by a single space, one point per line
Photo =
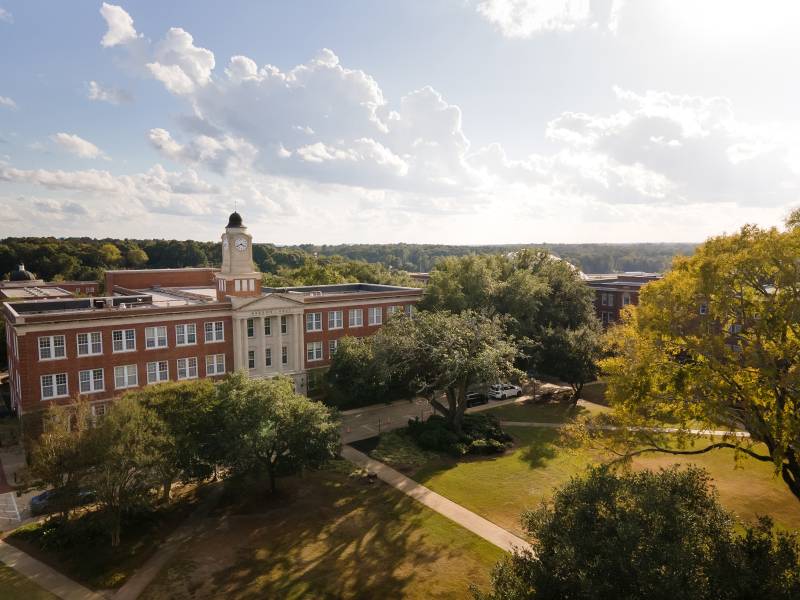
x=241 y=244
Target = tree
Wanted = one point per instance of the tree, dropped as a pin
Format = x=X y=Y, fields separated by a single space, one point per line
x=646 y=535
x=129 y=447
x=717 y=342
x=270 y=430
x=110 y=254
x=136 y=257
x=572 y=355
x=189 y=410
x=444 y=353
x=59 y=457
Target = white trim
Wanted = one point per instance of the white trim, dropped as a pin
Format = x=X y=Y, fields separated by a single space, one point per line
x=54 y=385
x=127 y=385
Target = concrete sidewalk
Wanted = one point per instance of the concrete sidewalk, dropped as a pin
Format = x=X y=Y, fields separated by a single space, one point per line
x=710 y=432
x=44 y=576
x=447 y=508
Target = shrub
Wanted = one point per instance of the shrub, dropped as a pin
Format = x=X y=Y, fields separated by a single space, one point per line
x=481 y=434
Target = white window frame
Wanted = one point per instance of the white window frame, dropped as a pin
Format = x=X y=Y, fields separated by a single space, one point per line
x=55 y=385
x=267 y=357
x=251 y=328
x=214 y=331
x=160 y=375
x=187 y=368
x=375 y=310
x=409 y=310
x=51 y=347
x=284 y=325
x=215 y=364
x=251 y=286
x=129 y=374
x=626 y=299
x=284 y=355
x=355 y=317
x=335 y=319
x=268 y=326
x=127 y=343
x=187 y=331
x=251 y=359
x=237 y=285
x=314 y=321
x=94 y=343
x=314 y=351
x=156 y=338
x=94 y=385
x=333 y=346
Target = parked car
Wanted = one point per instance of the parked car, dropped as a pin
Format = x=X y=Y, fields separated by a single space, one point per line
x=501 y=391
x=476 y=399
x=50 y=501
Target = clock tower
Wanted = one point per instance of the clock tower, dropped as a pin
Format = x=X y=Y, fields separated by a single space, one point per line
x=238 y=276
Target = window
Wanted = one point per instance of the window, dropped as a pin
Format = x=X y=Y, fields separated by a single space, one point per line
x=409 y=310
x=215 y=331
x=155 y=337
x=99 y=410
x=314 y=351
x=251 y=359
x=91 y=381
x=607 y=318
x=268 y=357
x=314 y=321
x=356 y=317
x=607 y=299
x=335 y=319
x=52 y=347
x=54 y=386
x=187 y=368
x=186 y=334
x=626 y=299
x=375 y=315
x=333 y=345
x=123 y=340
x=267 y=325
x=251 y=328
x=90 y=344
x=284 y=355
x=238 y=285
x=251 y=285
x=703 y=308
x=126 y=376
x=215 y=364
x=157 y=371
x=283 y=324
x=392 y=310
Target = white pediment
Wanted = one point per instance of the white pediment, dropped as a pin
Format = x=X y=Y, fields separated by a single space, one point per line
x=266 y=306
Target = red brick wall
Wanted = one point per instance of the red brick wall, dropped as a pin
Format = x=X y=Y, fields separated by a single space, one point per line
x=33 y=368
x=326 y=334
x=616 y=308
x=142 y=279
x=89 y=288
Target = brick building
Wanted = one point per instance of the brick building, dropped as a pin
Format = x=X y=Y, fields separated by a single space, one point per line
x=176 y=324
x=613 y=292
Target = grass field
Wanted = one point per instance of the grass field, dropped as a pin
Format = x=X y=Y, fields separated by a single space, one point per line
x=501 y=487
x=545 y=413
x=327 y=535
x=14 y=586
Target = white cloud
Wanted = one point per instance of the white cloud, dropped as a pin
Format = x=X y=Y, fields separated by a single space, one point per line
x=6 y=16
x=78 y=146
x=179 y=64
x=526 y=18
x=7 y=102
x=111 y=95
x=120 y=26
x=221 y=154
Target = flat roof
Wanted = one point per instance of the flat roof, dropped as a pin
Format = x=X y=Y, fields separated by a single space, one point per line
x=337 y=289
x=33 y=292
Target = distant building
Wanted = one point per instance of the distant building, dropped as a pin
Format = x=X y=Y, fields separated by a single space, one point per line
x=179 y=324
x=24 y=285
x=613 y=292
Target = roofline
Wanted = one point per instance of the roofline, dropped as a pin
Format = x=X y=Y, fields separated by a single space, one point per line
x=115 y=271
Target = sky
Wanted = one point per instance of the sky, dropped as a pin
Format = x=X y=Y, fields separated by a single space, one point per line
x=430 y=121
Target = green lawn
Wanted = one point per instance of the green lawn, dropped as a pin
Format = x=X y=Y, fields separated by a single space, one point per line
x=500 y=488
x=327 y=535
x=545 y=413
x=14 y=586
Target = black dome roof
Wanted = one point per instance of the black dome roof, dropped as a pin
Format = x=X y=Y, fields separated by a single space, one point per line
x=22 y=275
x=235 y=220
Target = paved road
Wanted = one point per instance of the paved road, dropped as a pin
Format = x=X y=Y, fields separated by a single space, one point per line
x=455 y=512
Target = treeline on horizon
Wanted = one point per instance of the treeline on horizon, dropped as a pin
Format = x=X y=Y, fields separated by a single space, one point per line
x=86 y=258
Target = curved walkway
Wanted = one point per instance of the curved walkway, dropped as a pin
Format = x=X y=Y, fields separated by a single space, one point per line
x=455 y=512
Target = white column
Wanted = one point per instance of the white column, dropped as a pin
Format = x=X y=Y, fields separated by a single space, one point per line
x=237 y=343
x=280 y=344
x=245 y=344
x=260 y=366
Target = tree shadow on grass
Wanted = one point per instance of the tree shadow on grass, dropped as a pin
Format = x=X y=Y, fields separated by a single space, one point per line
x=332 y=538
x=540 y=446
